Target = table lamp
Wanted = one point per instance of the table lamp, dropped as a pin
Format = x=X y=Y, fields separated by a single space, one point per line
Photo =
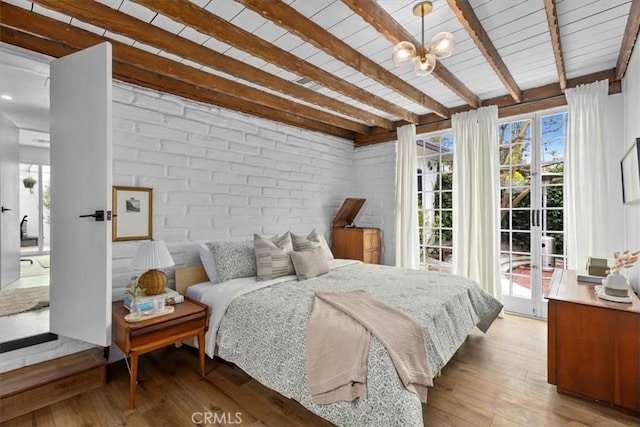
x=151 y=256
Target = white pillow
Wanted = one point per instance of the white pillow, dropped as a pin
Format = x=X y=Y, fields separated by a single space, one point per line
x=208 y=262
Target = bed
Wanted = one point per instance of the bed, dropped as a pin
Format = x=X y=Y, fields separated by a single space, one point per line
x=260 y=326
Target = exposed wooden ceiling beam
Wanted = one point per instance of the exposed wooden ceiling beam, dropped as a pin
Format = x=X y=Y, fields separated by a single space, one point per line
x=206 y=22
x=139 y=77
x=536 y=99
x=176 y=87
x=467 y=17
x=287 y=17
x=384 y=23
x=120 y=23
x=629 y=39
x=554 y=30
x=23 y=21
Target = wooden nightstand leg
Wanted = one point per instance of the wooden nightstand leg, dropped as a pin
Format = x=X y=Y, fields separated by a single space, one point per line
x=201 y=351
x=133 y=380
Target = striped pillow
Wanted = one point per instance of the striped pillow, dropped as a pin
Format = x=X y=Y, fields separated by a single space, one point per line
x=314 y=240
x=272 y=256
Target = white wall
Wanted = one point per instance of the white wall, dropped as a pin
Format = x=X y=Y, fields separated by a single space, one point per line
x=30 y=154
x=375 y=178
x=215 y=174
x=218 y=174
x=631 y=94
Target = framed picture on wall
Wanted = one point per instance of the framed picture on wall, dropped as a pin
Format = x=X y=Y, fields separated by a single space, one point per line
x=132 y=213
x=630 y=166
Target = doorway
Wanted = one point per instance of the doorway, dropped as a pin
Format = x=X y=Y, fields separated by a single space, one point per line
x=24 y=310
x=531 y=208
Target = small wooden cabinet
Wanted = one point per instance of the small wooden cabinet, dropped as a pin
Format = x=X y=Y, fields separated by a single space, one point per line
x=189 y=319
x=593 y=345
x=357 y=243
x=350 y=242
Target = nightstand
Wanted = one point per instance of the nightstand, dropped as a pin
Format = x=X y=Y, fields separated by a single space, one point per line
x=189 y=319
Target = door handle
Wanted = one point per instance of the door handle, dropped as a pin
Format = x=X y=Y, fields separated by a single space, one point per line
x=99 y=216
x=4 y=209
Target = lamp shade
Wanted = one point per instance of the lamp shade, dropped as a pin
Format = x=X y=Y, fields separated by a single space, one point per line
x=442 y=45
x=403 y=51
x=424 y=65
x=152 y=255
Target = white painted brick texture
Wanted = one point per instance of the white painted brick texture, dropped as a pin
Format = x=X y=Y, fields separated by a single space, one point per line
x=218 y=174
x=375 y=175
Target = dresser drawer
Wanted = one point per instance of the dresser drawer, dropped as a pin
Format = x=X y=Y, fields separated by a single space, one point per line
x=371 y=240
x=357 y=243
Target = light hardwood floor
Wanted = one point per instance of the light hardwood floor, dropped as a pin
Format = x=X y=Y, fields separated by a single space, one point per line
x=498 y=379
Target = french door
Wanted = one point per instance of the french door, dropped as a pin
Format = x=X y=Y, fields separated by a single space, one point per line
x=531 y=208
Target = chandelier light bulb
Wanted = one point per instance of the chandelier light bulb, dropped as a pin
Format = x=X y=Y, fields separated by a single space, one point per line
x=424 y=59
x=442 y=45
x=403 y=51
x=424 y=65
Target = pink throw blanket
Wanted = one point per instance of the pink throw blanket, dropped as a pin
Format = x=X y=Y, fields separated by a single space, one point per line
x=337 y=346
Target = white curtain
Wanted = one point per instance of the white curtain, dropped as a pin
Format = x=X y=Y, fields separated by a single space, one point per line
x=476 y=189
x=585 y=175
x=407 y=255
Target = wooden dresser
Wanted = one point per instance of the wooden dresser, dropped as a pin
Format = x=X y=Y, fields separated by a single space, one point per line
x=593 y=345
x=350 y=242
x=357 y=243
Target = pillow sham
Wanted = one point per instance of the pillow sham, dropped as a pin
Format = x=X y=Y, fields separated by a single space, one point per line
x=313 y=240
x=233 y=259
x=310 y=264
x=209 y=264
x=272 y=256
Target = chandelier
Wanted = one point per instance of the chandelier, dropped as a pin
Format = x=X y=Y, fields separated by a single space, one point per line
x=424 y=59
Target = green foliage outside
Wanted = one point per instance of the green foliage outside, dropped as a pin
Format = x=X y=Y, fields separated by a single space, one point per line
x=445 y=201
x=520 y=220
x=515 y=177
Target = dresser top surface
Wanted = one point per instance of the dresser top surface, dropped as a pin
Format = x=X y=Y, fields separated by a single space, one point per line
x=567 y=288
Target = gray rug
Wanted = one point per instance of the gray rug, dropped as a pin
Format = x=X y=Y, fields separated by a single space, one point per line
x=14 y=301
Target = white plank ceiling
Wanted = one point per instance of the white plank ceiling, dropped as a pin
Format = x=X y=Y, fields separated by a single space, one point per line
x=591 y=34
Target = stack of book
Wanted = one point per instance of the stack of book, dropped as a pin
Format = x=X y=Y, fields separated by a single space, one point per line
x=585 y=277
x=146 y=302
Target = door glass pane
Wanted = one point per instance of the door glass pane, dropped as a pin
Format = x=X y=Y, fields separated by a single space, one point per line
x=553 y=134
x=435 y=163
x=521 y=219
x=515 y=181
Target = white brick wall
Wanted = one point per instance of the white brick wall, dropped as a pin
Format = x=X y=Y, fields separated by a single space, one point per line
x=218 y=174
x=375 y=175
